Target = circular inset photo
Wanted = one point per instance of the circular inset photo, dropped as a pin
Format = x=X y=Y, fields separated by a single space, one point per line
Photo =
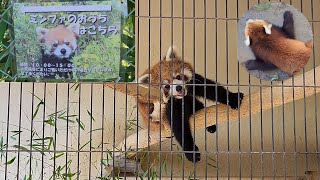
x=275 y=41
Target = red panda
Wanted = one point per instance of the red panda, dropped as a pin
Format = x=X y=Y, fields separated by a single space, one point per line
x=174 y=77
x=276 y=46
x=151 y=111
x=60 y=41
x=59 y=44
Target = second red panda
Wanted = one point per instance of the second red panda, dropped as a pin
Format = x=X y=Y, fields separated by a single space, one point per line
x=276 y=46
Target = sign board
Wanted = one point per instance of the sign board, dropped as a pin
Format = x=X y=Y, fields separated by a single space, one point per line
x=68 y=41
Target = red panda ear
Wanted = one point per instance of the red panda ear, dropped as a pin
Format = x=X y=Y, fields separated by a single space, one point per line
x=77 y=36
x=247 y=41
x=41 y=32
x=267 y=28
x=144 y=79
x=171 y=53
x=74 y=27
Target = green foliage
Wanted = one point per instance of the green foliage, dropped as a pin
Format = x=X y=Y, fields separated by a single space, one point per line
x=6 y=48
x=99 y=54
x=27 y=45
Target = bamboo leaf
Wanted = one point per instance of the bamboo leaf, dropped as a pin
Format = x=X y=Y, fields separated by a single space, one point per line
x=84 y=145
x=69 y=175
x=21 y=148
x=90 y=114
x=57 y=156
x=11 y=161
x=3 y=25
x=80 y=124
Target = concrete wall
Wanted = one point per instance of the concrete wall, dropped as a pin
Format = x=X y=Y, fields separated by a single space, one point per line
x=291 y=129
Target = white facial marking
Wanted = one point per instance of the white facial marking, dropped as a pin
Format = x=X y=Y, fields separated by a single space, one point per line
x=249 y=21
x=144 y=80
x=267 y=28
x=63 y=51
x=247 y=41
x=187 y=72
x=156 y=112
x=173 y=89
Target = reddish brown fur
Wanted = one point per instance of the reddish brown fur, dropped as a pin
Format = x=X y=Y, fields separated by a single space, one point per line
x=61 y=34
x=143 y=109
x=289 y=55
x=167 y=69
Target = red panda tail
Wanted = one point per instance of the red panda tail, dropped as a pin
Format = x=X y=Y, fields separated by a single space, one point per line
x=309 y=44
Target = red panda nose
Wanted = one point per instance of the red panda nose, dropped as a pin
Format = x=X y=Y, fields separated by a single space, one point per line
x=179 y=88
x=63 y=51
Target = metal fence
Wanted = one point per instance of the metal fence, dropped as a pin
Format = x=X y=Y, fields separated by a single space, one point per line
x=72 y=130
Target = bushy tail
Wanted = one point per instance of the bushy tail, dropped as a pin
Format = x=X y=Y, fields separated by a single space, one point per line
x=309 y=44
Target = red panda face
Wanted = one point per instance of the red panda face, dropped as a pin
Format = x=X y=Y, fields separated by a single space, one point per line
x=59 y=41
x=170 y=75
x=256 y=28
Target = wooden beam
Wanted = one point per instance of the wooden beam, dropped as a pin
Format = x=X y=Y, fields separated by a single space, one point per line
x=271 y=97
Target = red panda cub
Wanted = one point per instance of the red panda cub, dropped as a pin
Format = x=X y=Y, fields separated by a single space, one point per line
x=276 y=47
x=181 y=87
x=59 y=45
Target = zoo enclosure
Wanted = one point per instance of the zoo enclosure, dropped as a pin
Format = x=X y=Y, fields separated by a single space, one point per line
x=79 y=130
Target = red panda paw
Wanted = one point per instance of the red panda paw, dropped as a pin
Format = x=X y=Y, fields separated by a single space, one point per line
x=287 y=15
x=194 y=156
x=235 y=100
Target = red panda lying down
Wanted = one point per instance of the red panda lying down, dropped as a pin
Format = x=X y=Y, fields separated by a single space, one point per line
x=276 y=46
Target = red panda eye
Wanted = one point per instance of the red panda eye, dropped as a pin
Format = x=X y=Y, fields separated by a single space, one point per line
x=167 y=86
x=67 y=43
x=178 y=77
x=55 y=45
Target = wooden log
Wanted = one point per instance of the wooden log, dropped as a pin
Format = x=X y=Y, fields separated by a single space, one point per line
x=271 y=97
x=134 y=89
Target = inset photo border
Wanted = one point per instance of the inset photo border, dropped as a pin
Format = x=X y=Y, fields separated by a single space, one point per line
x=275 y=41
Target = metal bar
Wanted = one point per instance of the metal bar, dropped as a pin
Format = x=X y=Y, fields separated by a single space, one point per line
x=304 y=110
x=19 y=138
x=272 y=133
x=43 y=125
x=102 y=131
x=67 y=136
x=125 y=133
x=55 y=128
x=91 y=119
x=160 y=80
x=227 y=68
x=194 y=87
x=138 y=68
x=31 y=131
x=149 y=64
x=216 y=89
x=171 y=143
x=7 y=135
x=168 y=151
x=315 y=95
x=219 y=18
x=78 y=147
x=205 y=88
